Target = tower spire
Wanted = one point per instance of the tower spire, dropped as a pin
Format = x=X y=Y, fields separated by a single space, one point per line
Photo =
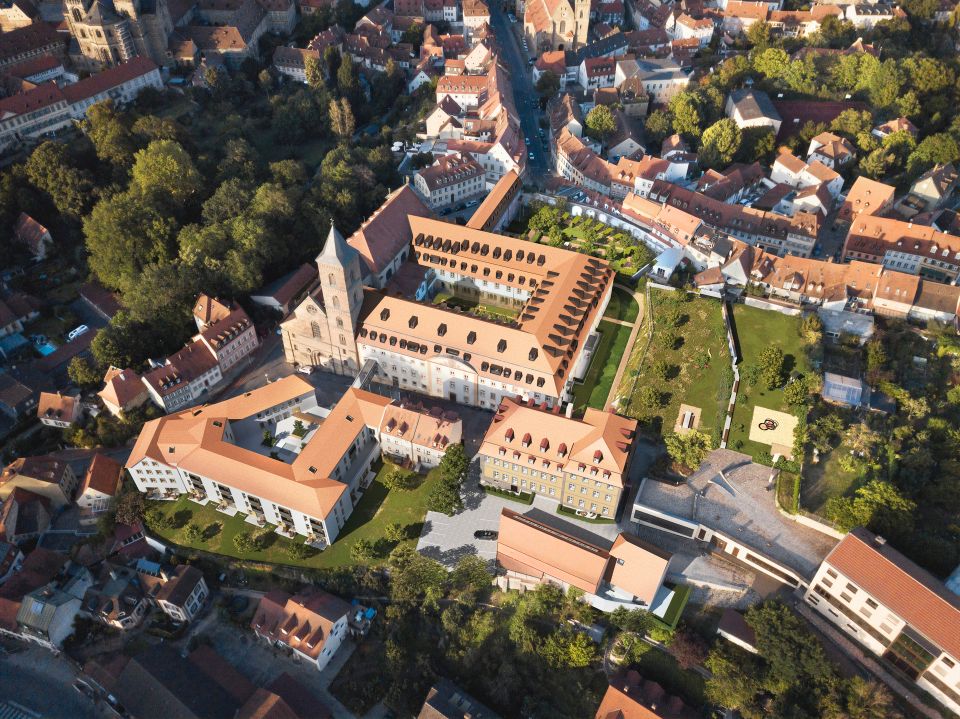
x=336 y=249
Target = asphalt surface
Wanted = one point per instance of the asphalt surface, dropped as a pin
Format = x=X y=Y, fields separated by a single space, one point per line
x=524 y=94
x=42 y=683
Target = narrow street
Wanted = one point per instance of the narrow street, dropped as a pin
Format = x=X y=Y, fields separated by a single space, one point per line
x=524 y=94
x=37 y=681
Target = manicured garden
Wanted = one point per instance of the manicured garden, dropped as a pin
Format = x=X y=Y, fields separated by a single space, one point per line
x=686 y=362
x=595 y=388
x=494 y=312
x=378 y=508
x=756 y=330
x=622 y=306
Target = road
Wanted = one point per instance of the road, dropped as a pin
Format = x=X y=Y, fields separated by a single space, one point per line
x=524 y=94
x=42 y=683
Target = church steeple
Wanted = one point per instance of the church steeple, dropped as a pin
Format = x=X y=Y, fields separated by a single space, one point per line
x=336 y=249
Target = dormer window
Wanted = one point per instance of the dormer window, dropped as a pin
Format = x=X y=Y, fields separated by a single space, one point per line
x=509 y=435
x=413 y=322
x=471 y=337
x=544 y=444
x=502 y=346
x=384 y=315
x=597 y=457
x=442 y=329
x=526 y=440
x=562 y=450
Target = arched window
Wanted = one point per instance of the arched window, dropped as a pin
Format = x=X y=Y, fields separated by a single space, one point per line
x=76 y=15
x=339 y=323
x=315 y=328
x=563 y=26
x=331 y=281
x=336 y=302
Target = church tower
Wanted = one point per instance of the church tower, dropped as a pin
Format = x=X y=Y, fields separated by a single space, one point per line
x=581 y=11
x=339 y=267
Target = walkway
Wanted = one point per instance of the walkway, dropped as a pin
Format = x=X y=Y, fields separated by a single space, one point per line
x=637 y=324
x=859 y=655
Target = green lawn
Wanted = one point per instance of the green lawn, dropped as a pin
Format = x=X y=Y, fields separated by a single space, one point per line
x=622 y=306
x=697 y=365
x=377 y=508
x=757 y=329
x=824 y=480
x=595 y=388
x=492 y=311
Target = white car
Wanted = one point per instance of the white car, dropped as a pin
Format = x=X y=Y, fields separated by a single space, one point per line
x=82 y=329
x=306 y=369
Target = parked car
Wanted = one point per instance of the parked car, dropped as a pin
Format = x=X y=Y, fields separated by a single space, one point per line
x=306 y=369
x=74 y=333
x=485 y=534
x=473 y=203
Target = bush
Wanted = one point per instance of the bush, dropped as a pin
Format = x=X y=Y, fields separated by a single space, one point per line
x=193 y=534
x=362 y=551
x=400 y=478
x=244 y=543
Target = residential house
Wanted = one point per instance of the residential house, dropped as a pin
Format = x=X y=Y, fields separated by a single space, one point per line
x=451 y=179
x=752 y=108
x=45 y=614
x=44 y=475
x=446 y=700
x=59 y=410
x=540 y=548
x=31 y=41
x=312 y=623
x=686 y=27
x=900 y=124
x=630 y=696
x=661 y=79
x=20 y=393
x=791 y=170
x=931 y=190
x=117 y=598
x=595 y=72
x=180 y=592
x=292 y=61
x=225 y=329
x=904 y=247
x=893 y=608
x=866 y=16
x=101 y=483
x=413 y=434
x=34 y=236
x=865 y=197
x=17 y=14
x=123 y=390
x=832 y=150
x=581 y=464
x=564 y=113
x=24 y=515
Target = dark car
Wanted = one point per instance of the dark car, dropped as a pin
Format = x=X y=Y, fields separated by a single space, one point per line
x=485 y=534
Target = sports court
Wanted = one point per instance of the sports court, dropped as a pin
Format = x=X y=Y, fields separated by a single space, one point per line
x=775 y=429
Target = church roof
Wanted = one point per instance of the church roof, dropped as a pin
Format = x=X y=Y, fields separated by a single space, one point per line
x=336 y=248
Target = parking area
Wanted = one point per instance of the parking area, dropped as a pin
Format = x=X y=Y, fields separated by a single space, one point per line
x=41 y=684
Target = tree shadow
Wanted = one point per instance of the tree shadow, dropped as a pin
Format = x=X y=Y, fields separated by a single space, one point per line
x=682 y=320
x=181 y=518
x=212 y=530
x=415 y=530
x=789 y=363
x=266 y=540
x=673 y=371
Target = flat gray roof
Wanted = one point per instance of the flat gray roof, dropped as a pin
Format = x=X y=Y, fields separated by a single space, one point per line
x=740 y=504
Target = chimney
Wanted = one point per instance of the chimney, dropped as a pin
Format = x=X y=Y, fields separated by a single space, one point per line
x=569 y=412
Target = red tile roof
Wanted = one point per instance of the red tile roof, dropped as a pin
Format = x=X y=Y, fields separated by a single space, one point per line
x=103 y=475
x=906 y=589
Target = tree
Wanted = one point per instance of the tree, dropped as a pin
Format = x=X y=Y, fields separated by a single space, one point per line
x=314 y=72
x=796 y=392
x=868 y=699
x=659 y=126
x=444 y=498
x=454 y=464
x=341 y=119
x=648 y=400
x=159 y=520
x=811 y=328
x=471 y=575
x=793 y=655
x=688 y=449
x=50 y=169
x=878 y=505
x=756 y=145
x=109 y=134
x=347 y=81
x=548 y=85
x=416 y=578
x=83 y=373
x=852 y=123
x=687 y=118
x=661 y=369
x=758 y=34
x=130 y=507
x=193 y=534
x=688 y=649
x=825 y=432
x=243 y=541
x=362 y=550
x=297 y=550
x=735 y=680
x=631 y=620
x=165 y=171
x=399 y=478
x=772 y=62
x=600 y=123
x=771 y=363
x=938 y=149
x=395 y=532
x=720 y=142
x=581 y=651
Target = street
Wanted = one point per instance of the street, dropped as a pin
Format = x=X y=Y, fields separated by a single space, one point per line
x=36 y=680
x=524 y=94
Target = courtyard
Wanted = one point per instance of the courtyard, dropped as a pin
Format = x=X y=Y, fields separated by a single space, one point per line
x=757 y=329
x=595 y=387
x=377 y=508
x=686 y=361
